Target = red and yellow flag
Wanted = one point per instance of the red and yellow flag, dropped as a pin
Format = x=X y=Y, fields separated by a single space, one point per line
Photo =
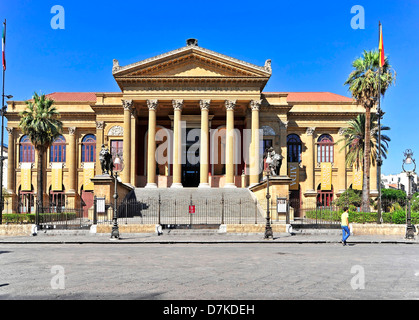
x=381 y=47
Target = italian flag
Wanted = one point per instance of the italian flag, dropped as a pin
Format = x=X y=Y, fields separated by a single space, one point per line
x=381 y=47
x=3 y=45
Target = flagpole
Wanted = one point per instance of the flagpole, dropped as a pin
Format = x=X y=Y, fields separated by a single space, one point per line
x=2 y=135
x=379 y=114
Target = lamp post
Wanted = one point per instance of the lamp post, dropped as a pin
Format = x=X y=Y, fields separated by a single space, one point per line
x=118 y=167
x=3 y=111
x=409 y=167
x=268 y=228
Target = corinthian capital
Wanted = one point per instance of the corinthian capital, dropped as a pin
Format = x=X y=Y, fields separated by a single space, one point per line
x=310 y=131
x=204 y=104
x=127 y=104
x=152 y=104
x=177 y=104
x=230 y=104
x=255 y=104
x=100 y=125
x=72 y=131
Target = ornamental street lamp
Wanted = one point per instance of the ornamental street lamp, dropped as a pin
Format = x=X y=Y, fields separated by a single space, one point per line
x=117 y=168
x=268 y=228
x=409 y=167
x=2 y=158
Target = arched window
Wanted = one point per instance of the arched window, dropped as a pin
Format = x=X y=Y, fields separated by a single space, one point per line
x=58 y=152
x=294 y=148
x=325 y=148
x=26 y=150
x=88 y=148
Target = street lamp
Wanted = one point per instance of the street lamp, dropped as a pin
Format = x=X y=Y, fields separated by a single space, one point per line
x=409 y=167
x=117 y=168
x=268 y=228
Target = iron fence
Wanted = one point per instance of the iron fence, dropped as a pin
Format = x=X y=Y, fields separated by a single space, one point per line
x=182 y=211
x=392 y=212
x=204 y=211
x=51 y=216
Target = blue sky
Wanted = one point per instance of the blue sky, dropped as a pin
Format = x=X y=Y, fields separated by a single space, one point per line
x=311 y=45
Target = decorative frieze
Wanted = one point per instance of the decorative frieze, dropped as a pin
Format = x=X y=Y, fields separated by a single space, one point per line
x=116 y=131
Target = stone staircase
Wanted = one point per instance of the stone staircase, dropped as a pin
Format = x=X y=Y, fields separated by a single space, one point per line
x=213 y=206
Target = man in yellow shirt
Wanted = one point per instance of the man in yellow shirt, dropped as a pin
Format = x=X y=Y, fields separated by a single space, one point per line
x=345 y=225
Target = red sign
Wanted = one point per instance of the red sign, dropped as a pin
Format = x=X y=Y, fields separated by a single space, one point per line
x=191 y=209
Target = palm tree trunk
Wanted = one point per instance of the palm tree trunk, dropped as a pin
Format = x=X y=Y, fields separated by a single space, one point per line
x=40 y=175
x=365 y=207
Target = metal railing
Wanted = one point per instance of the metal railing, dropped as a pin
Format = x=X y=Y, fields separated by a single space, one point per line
x=183 y=211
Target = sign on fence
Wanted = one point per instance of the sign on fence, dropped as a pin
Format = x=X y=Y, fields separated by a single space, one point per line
x=100 y=205
x=281 y=205
x=191 y=209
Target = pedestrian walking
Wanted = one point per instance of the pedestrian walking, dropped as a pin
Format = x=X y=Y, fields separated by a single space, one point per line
x=345 y=225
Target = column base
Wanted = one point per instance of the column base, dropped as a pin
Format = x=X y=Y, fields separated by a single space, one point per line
x=230 y=185
x=151 y=186
x=204 y=185
x=176 y=185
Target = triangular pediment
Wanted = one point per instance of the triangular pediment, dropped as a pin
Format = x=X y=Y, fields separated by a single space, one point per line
x=191 y=61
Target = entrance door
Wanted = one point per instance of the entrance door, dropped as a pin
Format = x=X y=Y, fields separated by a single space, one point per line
x=295 y=202
x=87 y=198
x=117 y=148
x=191 y=165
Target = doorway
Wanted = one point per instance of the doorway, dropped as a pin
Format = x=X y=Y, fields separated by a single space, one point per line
x=191 y=162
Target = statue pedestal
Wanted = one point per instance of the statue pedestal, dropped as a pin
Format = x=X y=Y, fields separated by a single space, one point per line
x=278 y=187
x=104 y=186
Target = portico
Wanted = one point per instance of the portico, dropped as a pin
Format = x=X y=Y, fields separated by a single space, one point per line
x=189 y=93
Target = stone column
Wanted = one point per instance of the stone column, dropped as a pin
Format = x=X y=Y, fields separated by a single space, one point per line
x=133 y=146
x=229 y=182
x=71 y=191
x=283 y=143
x=72 y=160
x=203 y=150
x=254 y=148
x=11 y=169
x=100 y=125
x=126 y=173
x=177 y=144
x=340 y=163
x=151 y=145
x=309 y=159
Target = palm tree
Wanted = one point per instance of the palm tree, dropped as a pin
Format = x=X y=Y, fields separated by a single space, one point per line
x=40 y=122
x=354 y=141
x=364 y=88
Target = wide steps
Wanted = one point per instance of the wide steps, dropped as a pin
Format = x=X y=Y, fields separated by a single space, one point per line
x=212 y=205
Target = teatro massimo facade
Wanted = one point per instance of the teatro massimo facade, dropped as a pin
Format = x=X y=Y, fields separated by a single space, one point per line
x=188 y=118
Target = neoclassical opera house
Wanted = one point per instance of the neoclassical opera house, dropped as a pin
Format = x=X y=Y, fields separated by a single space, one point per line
x=188 y=118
